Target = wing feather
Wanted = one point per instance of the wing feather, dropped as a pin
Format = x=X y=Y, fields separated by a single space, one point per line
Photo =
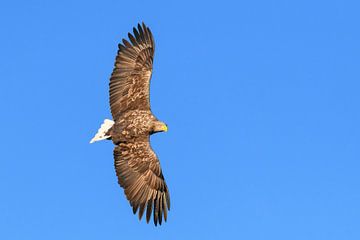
x=139 y=173
x=130 y=79
x=148 y=209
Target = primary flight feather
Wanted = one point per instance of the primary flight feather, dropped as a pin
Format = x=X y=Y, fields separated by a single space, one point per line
x=137 y=166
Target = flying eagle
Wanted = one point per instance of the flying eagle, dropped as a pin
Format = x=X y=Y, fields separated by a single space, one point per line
x=137 y=166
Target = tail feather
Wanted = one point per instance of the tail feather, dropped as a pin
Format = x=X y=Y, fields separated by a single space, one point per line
x=104 y=128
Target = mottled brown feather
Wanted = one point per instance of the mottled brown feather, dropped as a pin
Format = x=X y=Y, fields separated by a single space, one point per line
x=130 y=79
x=137 y=161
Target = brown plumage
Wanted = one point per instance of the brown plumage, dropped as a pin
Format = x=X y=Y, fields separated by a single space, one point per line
x=137 y=166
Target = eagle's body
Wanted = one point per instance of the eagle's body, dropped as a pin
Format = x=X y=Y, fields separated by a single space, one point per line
x=137 y=166
x=133 y=126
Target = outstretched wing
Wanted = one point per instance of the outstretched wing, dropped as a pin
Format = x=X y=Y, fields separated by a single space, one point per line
x=130 y=79
x=139 y=173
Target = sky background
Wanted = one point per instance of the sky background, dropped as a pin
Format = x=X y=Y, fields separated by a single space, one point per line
x=261 y=99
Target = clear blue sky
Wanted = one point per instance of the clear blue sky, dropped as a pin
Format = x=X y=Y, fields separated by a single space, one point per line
x=261 y=98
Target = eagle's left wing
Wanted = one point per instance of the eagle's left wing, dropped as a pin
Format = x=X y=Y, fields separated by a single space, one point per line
x=139 y=173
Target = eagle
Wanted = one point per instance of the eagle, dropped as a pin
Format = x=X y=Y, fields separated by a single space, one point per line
x=136 y=164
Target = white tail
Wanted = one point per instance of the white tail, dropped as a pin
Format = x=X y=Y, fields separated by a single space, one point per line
x=101 y=134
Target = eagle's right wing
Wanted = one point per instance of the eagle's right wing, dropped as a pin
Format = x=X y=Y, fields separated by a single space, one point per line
x=139 y=173
x=130 y=79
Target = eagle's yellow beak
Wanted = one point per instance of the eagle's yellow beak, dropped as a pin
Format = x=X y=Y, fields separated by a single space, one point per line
x=165 y=128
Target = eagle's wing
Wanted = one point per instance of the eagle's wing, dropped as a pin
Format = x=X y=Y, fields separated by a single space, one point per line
x=139 y=173
x=130 y=79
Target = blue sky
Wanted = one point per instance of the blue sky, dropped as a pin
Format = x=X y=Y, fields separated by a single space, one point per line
x=261 y=98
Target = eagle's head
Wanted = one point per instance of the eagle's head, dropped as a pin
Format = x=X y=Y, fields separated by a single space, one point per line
x=159 y=126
